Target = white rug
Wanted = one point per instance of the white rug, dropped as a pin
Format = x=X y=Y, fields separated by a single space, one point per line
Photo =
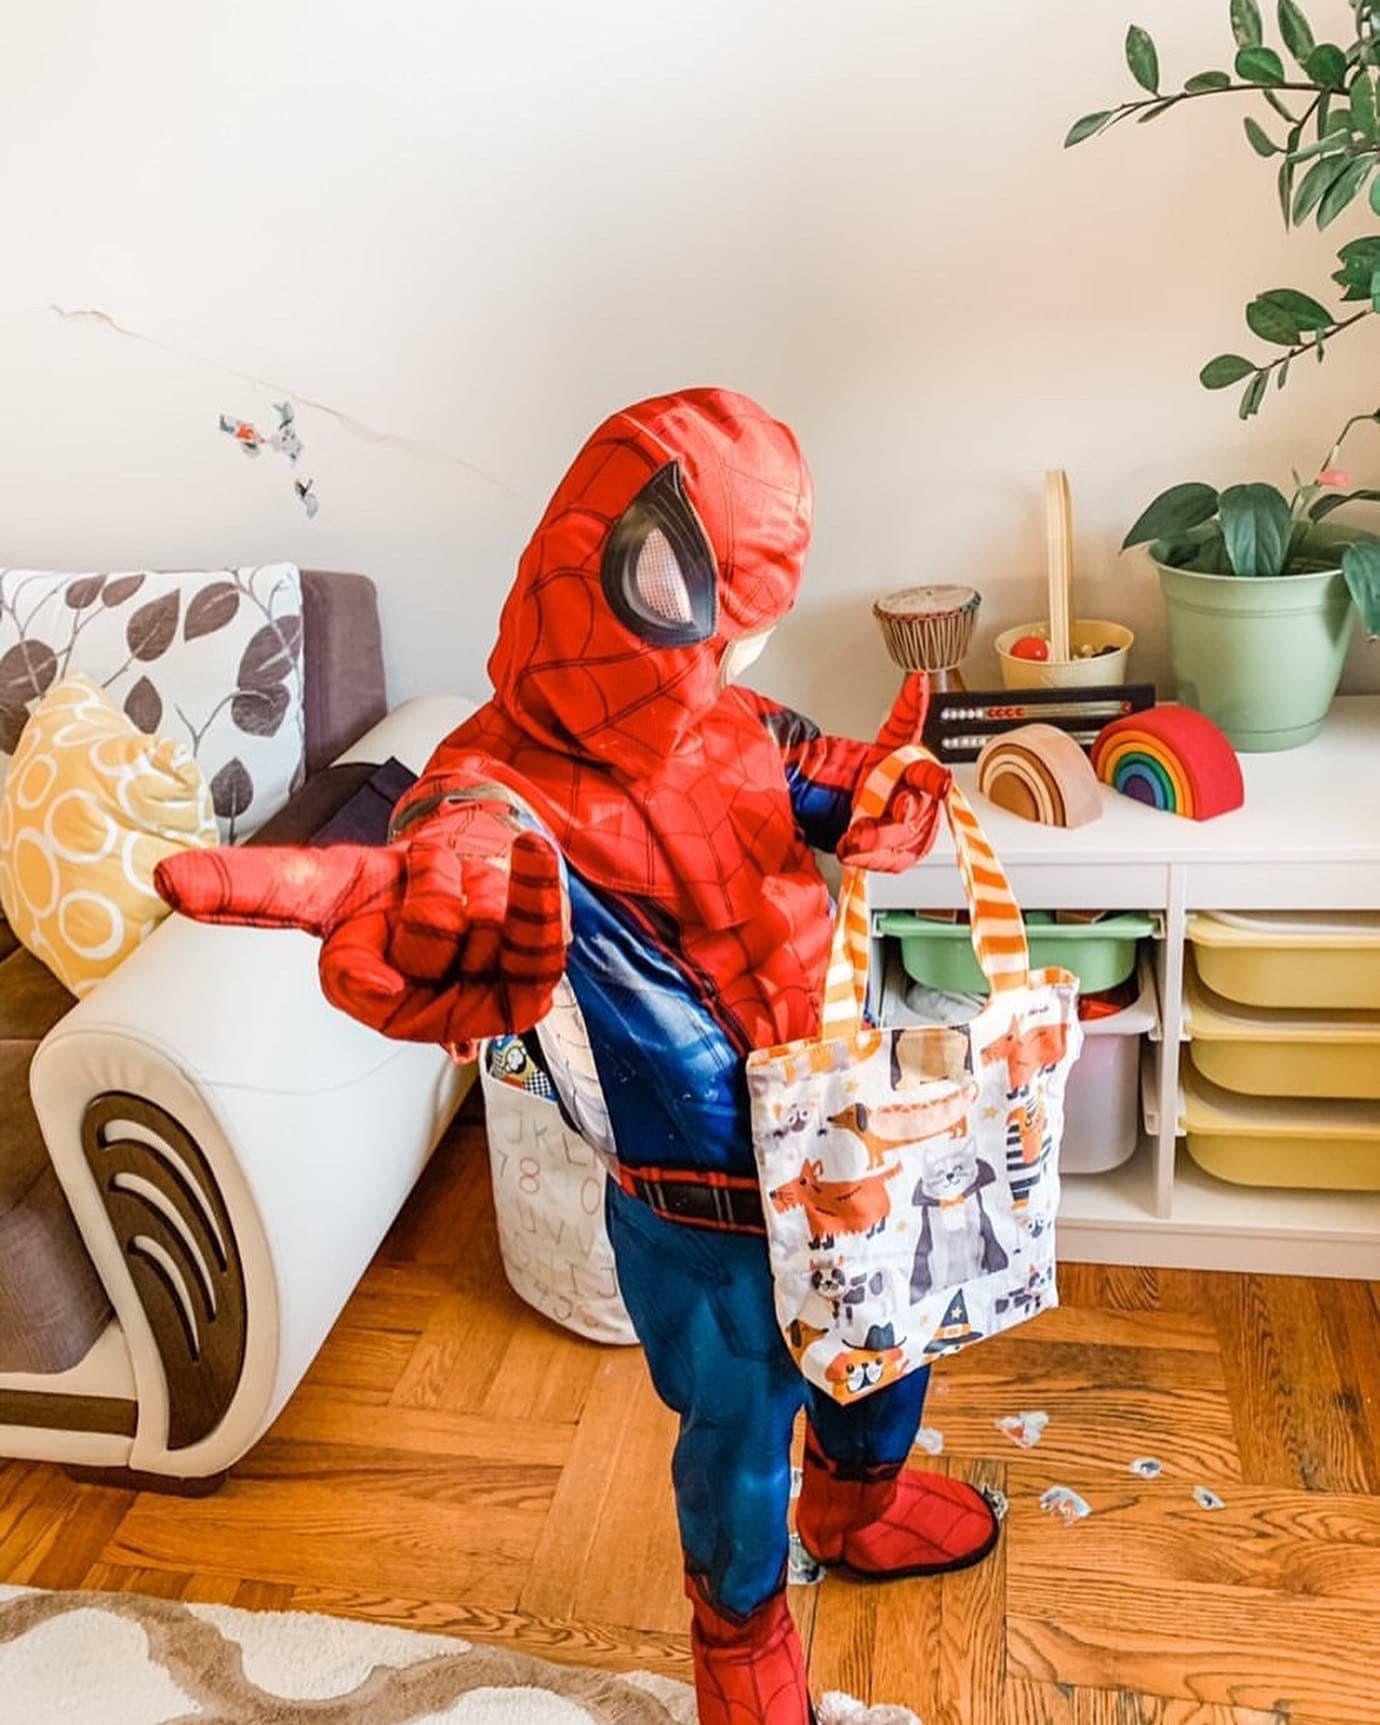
x=121 y=1659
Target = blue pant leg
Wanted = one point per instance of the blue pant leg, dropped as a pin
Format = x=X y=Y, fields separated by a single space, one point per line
x=701 y=1303
x=878 y=1431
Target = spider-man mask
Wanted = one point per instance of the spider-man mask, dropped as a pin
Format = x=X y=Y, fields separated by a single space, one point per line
x=681 y=527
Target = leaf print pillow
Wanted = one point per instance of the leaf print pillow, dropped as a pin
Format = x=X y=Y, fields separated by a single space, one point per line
x=210 y=659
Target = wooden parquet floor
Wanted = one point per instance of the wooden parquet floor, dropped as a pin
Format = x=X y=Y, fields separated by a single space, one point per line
x=454 y=1463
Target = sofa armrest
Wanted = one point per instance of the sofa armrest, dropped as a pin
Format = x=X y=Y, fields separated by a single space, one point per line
x=234 y=1149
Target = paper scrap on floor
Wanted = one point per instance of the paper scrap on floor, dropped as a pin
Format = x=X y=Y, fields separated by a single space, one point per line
x=1025 y=1429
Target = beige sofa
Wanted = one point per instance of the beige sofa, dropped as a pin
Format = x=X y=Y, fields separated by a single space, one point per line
x=199 y=1158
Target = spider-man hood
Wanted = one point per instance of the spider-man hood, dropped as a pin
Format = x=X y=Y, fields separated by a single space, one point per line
x=680 y=530
x=681 y=526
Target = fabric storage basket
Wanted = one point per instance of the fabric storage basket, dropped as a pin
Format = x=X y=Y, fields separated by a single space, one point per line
x=1302 y=960
x=1281 y=1141
x=940 y=954
x=1271 y=1053
x=1102 y=1102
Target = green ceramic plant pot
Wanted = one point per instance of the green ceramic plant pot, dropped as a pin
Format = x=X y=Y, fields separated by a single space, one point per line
x=1260 y=656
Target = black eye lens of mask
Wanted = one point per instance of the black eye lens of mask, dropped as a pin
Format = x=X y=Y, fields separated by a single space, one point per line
x=659 y=573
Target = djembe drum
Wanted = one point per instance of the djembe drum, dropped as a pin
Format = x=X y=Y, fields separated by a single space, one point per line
x=929 y=629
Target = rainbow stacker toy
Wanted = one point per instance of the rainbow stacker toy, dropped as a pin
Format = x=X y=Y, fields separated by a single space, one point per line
x=1171 y=758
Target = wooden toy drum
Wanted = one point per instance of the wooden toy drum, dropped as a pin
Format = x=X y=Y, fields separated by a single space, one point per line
x=929 y=629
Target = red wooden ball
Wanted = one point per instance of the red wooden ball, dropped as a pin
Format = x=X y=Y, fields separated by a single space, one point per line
x=1030 y=647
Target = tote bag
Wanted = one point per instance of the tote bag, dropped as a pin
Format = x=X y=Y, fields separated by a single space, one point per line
x=910 y=1176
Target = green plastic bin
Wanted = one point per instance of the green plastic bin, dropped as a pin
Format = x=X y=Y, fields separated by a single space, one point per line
x=940 y=954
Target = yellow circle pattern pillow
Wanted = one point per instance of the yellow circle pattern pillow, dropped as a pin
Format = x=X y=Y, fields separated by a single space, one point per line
x=89 y=809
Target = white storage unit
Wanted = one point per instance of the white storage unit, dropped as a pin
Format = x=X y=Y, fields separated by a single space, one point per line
x=1307 y=841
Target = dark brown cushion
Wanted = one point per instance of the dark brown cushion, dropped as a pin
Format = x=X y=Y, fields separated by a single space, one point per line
x=52 y=1303
x=342 y=658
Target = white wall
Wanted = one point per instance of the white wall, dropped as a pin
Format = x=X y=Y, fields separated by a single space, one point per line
x=484 y=226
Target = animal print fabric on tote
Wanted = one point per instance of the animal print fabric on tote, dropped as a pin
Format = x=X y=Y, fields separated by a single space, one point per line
x=910 y=1177
x=211 y=659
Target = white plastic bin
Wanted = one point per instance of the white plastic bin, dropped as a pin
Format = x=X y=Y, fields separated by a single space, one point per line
x=1102 y=1101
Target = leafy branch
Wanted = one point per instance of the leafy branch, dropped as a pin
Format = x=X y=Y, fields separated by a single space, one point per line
x=1318 y=176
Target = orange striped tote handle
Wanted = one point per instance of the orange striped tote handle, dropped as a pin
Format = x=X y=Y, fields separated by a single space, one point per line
x=997 y=928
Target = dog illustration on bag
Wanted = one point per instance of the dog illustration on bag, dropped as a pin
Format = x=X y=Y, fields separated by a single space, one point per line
x=834 y=1207
x=856 y=1304
x=958 y=1242
x=858 y=1371
x=880 y=1130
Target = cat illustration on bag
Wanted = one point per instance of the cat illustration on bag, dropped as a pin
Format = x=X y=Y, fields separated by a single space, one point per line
x=958 y=1242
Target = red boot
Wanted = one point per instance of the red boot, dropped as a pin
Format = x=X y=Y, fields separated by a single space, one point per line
x=891 y=1521
x=748 y=1670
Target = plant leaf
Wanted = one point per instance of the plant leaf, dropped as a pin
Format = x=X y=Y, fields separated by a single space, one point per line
x=1375 y=196
x=1362 y=105
x=1361 y=567
x=1285 y=183
x=1313 y=187
x=1142 y=59
x=1302 y=307
x=1261 y=141
x=1260 y=66
x=1245 y=23
x=1343 y=189
x=1327 y=65
x=1360 y=259
x=1296 y=31
x=1272 y=323
x=1255 y=526
x=1335 y=500
x=1087 y=127
x=1225 y=370
x=1253 y=395
x=1174 y=511
x=1207 y=81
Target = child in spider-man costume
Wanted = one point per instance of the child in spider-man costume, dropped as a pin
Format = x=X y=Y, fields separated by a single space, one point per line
x=623 y=816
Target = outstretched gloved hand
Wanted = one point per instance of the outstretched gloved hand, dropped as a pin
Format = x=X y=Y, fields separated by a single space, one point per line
x=453 y=933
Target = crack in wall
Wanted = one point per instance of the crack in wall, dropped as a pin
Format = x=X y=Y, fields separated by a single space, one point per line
x=421 y=447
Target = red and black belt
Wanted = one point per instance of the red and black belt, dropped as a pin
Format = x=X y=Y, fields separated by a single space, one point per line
x=697 y=1197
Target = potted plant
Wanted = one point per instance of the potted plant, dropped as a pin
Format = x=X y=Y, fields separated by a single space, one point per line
x=1260 y=606
x=1260 y=587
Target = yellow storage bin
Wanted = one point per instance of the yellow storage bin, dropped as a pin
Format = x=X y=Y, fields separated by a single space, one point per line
x=1263 y=1053
x=1254 y=1141
x=1303 y=960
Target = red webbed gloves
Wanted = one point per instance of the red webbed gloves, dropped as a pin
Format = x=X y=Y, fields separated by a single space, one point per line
x=454 y=932
x=905 y=830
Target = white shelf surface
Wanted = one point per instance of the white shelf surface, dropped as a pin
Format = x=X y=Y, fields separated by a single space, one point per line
x=1213 y=1225
x=1310 y=814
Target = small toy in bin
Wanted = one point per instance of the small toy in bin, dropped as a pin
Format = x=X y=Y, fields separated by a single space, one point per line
x=929 y=629
x=1040 y=774
x=1067 y=652
x=1171 y=758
